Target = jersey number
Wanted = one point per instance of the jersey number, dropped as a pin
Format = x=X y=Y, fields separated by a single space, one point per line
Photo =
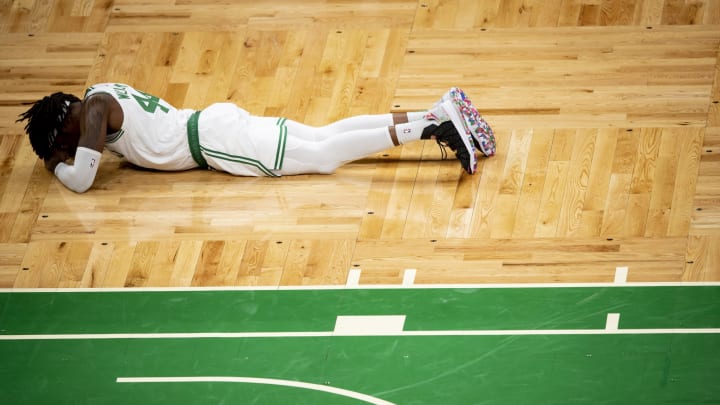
x=149 y=102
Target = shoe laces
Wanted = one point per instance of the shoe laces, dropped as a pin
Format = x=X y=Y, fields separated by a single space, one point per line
x=460 y=152
x=447 y=137
x=443 y=149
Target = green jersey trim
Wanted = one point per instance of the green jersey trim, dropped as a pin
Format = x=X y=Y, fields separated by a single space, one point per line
x=112 y=138
x=238 y=159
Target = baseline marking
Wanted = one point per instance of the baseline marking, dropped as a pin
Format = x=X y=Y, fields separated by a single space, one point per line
x=353 y=279
x=253 y=380
x=368 y=325
x=364 y=287
x=409 y=277
x=612 y=322
x=621 y=274
x=486 y=332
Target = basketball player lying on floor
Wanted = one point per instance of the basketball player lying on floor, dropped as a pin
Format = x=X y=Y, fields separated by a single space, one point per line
x=150 y=133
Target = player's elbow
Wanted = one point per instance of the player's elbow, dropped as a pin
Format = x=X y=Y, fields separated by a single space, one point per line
x=78 y=184
x=80 y=187
x=80 y=176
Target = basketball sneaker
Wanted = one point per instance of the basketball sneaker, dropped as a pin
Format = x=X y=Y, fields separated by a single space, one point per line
x=446 y=111
x=479 y=130
x=446 y=134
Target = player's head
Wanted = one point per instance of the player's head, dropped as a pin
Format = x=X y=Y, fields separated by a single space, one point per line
x=45 y=121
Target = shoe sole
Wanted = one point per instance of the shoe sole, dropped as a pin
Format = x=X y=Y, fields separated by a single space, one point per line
x=482 y=133
x=463 y=130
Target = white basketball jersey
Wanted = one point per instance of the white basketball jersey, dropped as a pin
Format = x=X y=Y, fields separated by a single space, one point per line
x=153 y=134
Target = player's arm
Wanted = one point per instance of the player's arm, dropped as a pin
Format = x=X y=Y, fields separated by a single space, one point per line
x=94 y=117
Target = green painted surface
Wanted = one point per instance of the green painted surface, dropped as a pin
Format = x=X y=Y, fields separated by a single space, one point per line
x=593 y=369
x=315 y=310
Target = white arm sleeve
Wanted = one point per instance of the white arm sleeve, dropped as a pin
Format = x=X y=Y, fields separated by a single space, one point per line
x=80 y=176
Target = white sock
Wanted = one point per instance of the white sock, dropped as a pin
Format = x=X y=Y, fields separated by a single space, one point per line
x=411 y=131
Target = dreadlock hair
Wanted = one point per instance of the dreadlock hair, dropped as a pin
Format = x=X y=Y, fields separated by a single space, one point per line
x=45 y=120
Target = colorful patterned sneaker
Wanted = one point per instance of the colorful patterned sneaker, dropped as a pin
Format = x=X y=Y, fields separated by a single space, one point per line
x=482 y=135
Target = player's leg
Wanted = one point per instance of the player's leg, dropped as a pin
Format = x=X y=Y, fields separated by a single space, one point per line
x=324 y=156
x=233 y=141
x=454 y=119
x=346 y=125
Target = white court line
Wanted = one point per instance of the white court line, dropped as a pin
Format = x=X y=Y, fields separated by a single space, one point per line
x=239 y=335
x=621 y=274
x=353 y=278
x=368 y=325
x=170 y=335
x=253 y=380
x=409 y=277
x=366 y=287
x=612 y=322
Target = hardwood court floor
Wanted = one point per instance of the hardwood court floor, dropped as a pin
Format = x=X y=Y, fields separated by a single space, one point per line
x=606 y=114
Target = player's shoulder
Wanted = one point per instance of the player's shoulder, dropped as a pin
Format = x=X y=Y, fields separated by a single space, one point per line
x=119 y=90
x=99 y=98
x=100 y=102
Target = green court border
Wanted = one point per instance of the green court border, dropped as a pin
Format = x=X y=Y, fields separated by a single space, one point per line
x=687 y=365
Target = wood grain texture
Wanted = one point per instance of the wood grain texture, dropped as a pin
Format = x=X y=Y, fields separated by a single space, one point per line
x=605 y=111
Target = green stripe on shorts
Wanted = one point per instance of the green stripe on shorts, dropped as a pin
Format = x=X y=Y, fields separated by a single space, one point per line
x=239 y=159
x=282 y=141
